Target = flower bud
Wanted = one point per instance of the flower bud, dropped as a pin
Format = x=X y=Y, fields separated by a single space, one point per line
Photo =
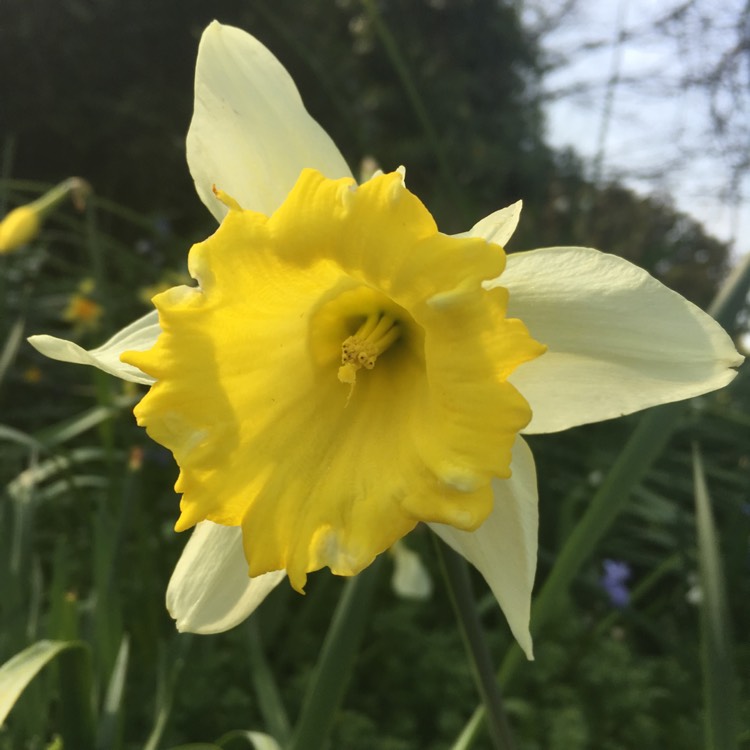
x=22 y=224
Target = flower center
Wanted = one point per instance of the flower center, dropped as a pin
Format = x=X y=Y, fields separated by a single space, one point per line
x=372 y=338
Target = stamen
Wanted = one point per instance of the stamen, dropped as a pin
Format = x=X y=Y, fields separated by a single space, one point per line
x=372 y=338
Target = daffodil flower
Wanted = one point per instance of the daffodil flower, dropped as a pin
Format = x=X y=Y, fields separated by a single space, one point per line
x=344 y=371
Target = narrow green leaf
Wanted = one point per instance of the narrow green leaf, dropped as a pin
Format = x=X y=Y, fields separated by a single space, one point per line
x=19 y=671
x=43 y=470
x=110 y=724
x=76 y=705
x=168 y=674
x=9 y=350
x=400 y=66
x=70 y=428
x=266 y=689
x=456 y=574
x=328 y=684
x=12 y=435
x=719 y=679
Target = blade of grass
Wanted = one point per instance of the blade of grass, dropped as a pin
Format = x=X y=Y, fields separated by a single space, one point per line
x=337 y=657
x=10 y=348
x=719 y=679
x=67 y=429
x=77 y=719
x=168 y=677
x=456 y=575
x=76 y=716
x=266 y=689
x=393 y=52
x=110 y=724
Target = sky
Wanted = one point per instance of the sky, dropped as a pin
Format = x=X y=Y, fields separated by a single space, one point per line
x=658 y=136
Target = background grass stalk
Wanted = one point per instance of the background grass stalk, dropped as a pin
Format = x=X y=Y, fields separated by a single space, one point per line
x=266 y=688
x=719 y=679
x=456 y=575
x=447 y=174
x=336 y=662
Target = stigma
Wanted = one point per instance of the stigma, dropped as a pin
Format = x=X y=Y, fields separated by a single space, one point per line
x=374 y=336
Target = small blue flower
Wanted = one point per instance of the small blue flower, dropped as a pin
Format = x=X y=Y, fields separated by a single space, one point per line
x=616 y=574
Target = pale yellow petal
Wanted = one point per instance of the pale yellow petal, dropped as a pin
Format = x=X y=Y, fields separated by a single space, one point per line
x=141 y=334
x=499 y=226
x=250 y=135
x=410 y=578
x=618 y=340
x=504 y=547
x=210 y=591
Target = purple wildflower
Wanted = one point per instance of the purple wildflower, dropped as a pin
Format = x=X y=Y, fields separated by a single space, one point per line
x=616 y=574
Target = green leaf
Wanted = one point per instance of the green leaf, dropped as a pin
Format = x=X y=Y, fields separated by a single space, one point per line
x=19 y=671
x=719 y=679
x=111 y=720
x=336 y=662
x=168 y=677
x=456 y=574
x=266 y=689
x=10 y=349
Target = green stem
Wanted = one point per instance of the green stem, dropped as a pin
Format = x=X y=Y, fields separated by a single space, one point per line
x=76 y=707
x=717 y=657
x=266 y=689
x=74 y=186
x=456 y=574
x=393 y=52
x=328 y=685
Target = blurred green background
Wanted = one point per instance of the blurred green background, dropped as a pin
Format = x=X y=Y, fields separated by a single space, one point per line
x=103 y=89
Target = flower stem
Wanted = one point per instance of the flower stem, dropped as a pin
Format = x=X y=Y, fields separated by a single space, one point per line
x=336 y=662
x=266 y=689
x=401 y=68
x=456 y=574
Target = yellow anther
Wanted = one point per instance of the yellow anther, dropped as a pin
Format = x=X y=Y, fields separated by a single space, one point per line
x=362 y=349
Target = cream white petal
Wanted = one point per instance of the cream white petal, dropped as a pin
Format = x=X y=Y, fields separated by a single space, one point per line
x=619 y=340
x=499 y=226
x=410 y=578
x=262 y=741
x=504 y=547
x=210 y=591
x=140 y=335
x=250 y=135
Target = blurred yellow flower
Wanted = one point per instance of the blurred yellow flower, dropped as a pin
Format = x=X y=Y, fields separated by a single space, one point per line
x=83 y=311
x=22 y=224
x=32 y=374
